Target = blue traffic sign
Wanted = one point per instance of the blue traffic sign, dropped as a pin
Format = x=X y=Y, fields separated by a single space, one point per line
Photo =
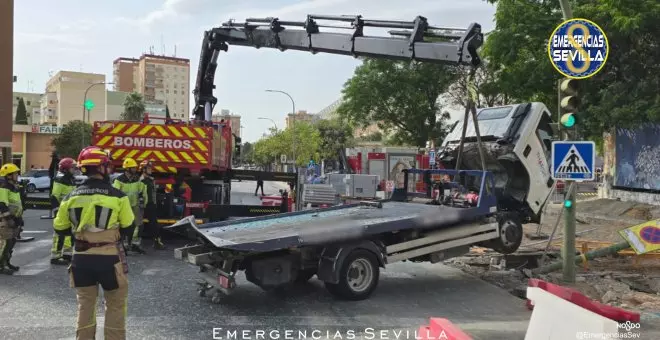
x=432 y=157
x=573 y=160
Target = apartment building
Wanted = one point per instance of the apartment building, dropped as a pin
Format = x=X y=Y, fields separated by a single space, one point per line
x=114 y=105
x=66 y=89
x=233 y=119
x=300 y=116
x=161 y=80
x=32 y=105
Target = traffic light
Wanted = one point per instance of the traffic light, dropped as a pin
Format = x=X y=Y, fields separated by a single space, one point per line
x=89 y=104
x=568 y=102
x=568 y=203
x=237 y=145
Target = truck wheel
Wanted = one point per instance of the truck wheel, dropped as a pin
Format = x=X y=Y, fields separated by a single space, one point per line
x=358 y=277
x=511 y=234
x=31 y=188
x=305 y=275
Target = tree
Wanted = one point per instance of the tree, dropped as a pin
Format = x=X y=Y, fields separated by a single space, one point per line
x=247 y=151
x=21 y=113
x=167 y=113
x=485 y=81
x=335 y=137
x=374 y=137
x=307 y=139
x=623 y=94
x=133 y=107
x=70 y=140
x=402 y=96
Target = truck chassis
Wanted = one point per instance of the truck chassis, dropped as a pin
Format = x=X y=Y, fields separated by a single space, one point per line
x=346 y=246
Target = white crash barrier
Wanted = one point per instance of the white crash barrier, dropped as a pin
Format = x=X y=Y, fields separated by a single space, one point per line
x=554 y=318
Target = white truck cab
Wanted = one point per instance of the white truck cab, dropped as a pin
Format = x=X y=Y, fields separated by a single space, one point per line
x=517 y=141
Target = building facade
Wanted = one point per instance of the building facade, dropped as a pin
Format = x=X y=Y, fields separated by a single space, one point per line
x=32 y=105
x=233 y=119
x=31 y=145
x=67 y=90
x=114 y=105
x=300 y=116
x=160 y=79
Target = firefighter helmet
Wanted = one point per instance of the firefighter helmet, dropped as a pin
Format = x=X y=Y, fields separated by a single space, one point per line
x=8 y=169
x=145 y=164
x=129 y=163
x=93 y=156
x=66 y=164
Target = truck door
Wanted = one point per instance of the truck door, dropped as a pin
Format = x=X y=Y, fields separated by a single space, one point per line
x=533 y=149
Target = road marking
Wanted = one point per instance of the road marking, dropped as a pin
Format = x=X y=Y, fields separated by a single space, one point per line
x=35 y=267
x=34 y=232
x=29 y=247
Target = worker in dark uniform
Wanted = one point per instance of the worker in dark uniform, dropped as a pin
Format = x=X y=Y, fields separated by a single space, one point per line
x=96 y=215
x=150 y=210
x=260 y=184
x=11 y=216
x=62 y=250
x=129 y=183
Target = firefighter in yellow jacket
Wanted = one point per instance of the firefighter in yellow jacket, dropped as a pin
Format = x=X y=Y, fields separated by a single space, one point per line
x=96 y=214
x=129 y=183
x=11 y=215
x=62 y=248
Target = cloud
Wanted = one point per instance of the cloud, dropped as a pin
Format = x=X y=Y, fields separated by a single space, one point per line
x=169 y=11
x=59 y=39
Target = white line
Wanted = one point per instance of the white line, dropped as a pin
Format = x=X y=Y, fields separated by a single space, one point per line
x=34 y=232
x=24 y=248
x=35 y=267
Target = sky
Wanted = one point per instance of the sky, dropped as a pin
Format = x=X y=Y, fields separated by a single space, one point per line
x=84 y=35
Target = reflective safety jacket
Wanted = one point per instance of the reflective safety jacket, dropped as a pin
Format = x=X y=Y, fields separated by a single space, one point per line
x=149 y=189
x=95 y=212
x=10 y=199
x=62 y=186
x=132 y=187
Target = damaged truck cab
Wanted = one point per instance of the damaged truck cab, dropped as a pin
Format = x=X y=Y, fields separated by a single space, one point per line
x=517 y=142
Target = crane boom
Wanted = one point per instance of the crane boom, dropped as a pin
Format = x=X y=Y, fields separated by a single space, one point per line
x=411 y=40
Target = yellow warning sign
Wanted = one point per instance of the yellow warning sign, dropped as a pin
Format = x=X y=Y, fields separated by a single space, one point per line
x=644 y=237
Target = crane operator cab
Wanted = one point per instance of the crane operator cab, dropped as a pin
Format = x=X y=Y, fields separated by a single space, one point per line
x=517 y=141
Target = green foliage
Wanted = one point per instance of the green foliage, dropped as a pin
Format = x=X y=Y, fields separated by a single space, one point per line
x=133 y=107
x=247 y=151
x=21 y=113
x=402 y=96
x=623 y=94
x=374 y=137
x=335 y=136
x=70 y=140
x=307 y=141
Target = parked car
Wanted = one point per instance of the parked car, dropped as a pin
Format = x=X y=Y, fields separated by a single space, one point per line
x=37 y=180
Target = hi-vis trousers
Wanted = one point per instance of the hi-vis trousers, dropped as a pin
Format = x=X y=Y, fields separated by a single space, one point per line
x=62 y=246
x=86 y=273
x=139 y=225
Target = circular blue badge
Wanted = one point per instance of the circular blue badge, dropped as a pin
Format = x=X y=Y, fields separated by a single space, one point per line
x=578 y=48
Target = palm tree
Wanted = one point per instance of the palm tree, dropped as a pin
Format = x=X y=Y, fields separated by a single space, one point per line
x=133 y=107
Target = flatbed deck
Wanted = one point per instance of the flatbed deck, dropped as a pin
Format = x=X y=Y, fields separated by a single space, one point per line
x=327 y=226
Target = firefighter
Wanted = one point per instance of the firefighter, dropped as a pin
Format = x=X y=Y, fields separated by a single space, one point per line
x=62 y=248
x=96 y=215
x=150 y=210
x=11 y=212
x=129 y=183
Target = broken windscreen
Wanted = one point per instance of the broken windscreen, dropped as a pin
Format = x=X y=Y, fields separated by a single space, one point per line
x=494 y=113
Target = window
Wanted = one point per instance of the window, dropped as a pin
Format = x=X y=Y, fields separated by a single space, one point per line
x=544 y=132
x=494 y=113
x=175 y=91
x=27 y=103
x=167 y=91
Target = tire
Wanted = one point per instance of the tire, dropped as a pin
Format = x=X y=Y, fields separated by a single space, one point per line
x=511 y=234
x=363 y=263
x=305 y=275
x=31 y=188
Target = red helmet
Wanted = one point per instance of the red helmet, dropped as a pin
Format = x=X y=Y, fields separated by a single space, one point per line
x=66 y=164
x=93 y=156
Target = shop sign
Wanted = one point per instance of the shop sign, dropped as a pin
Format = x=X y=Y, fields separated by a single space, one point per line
x=47 y=129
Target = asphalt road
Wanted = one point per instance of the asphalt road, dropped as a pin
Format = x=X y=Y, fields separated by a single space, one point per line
x=37 y=302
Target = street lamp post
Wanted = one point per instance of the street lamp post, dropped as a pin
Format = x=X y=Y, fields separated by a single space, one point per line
x=293 y=126
x=85 y=109
x=264 y=118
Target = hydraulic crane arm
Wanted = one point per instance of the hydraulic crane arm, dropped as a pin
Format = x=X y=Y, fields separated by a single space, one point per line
x=414 y=40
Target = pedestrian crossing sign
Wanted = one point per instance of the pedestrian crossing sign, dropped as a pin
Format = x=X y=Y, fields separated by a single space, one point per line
x=573 y=160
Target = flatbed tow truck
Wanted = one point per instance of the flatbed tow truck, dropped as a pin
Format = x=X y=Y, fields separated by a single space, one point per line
x=346 y=246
